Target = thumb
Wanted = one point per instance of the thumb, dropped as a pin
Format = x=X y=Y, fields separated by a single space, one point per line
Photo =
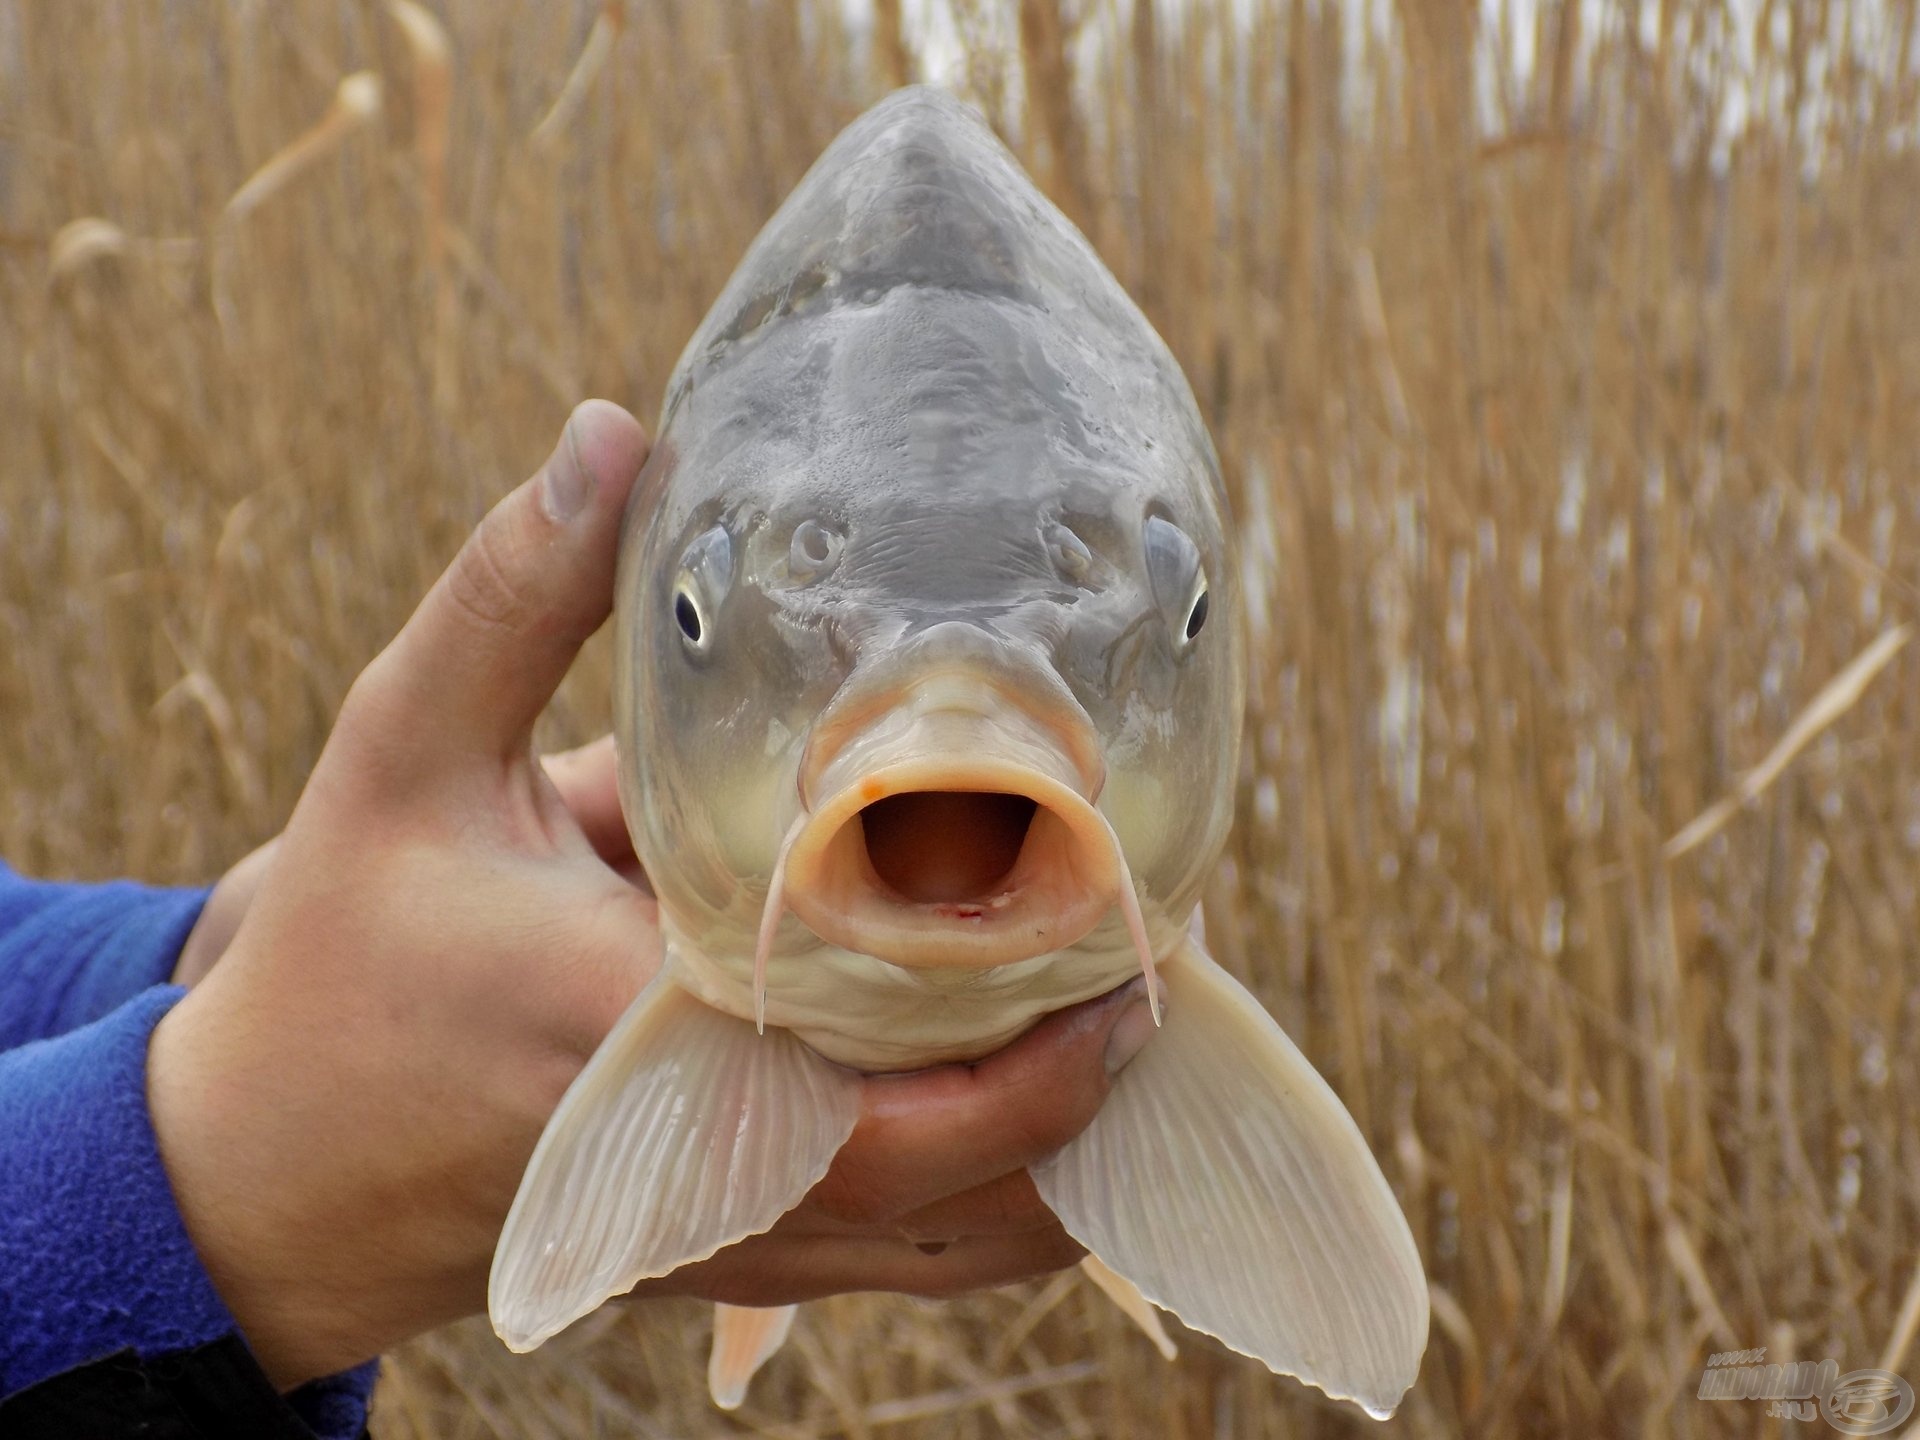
x=471 y=671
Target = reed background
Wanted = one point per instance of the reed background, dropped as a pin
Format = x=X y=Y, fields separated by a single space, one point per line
x=1565 y=361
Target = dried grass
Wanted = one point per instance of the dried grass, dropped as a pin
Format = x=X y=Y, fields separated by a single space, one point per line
x=1572 y=412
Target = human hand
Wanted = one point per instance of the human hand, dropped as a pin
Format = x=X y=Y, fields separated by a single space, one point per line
x=587 y=785
x=346 y=1102
x=431 y=953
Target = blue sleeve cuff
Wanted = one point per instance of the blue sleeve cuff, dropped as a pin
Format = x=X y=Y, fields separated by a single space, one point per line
x=69 y=954
x=95 y=1255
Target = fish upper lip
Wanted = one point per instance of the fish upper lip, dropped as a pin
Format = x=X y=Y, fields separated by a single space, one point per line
x=959 y=684
x=948 y=727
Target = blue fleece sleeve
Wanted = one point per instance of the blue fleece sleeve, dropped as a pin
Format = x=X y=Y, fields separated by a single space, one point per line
x=71 y=953
x=95 y=1260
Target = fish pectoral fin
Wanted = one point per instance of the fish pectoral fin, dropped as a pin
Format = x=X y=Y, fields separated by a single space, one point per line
x=744 y=1338
x=685 y=1132
x=1224 y=1179
x=1137 y=1308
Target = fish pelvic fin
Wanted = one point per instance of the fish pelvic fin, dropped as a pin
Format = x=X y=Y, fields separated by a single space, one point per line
x=744 y=1338
x=1137 y=1308
x=1226 y=1181
x=684 y=1133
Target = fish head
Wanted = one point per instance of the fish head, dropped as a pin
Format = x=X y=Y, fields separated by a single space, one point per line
x=928 y=606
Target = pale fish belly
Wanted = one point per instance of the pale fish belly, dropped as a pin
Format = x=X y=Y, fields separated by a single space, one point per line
x=866 y=1014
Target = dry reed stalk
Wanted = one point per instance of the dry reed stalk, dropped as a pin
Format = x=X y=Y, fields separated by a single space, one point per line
x=593 y=58
x=1836 y=697
x=79 y=243
x=356 y=101
x=432 y=97
x=1901 y=1340
x=1569 y=413
x=432 y=56
x=951 y=1401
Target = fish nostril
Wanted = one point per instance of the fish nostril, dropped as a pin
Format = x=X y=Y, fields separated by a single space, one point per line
x=814 y=550
x=1069 y=553
x=935 y=847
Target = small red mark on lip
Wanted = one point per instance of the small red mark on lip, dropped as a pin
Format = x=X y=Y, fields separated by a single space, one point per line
x=970 y=909
x=870 y=790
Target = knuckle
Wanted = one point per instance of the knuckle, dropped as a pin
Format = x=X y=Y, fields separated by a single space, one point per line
x=367 y=699
x=369 y=720
x=480 y=581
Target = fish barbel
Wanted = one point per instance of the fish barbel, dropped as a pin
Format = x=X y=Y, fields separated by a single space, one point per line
x=930 y=671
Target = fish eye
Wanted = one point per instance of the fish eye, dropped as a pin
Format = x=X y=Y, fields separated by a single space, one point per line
x=815 y=549
x=1197 y=616
x=1178 y=581
x=686 y=613
x=706 y=574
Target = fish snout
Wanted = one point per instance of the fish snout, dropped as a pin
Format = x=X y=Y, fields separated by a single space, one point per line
x=954 y=828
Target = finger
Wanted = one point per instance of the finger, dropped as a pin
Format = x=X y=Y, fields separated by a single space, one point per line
x=981 y=1263
x=588 y=786
x=1008 y=1205
x=792 y=1272
x=471 y=671
x=925 y=1136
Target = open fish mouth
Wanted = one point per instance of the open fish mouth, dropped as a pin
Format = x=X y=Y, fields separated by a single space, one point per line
x=941 y=865
x=954 y=829
x=951 y=848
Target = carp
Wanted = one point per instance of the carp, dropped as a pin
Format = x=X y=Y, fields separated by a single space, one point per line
x=929 y=680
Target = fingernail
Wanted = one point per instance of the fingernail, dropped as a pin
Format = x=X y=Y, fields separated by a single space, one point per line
x=1134 y=1027
x=564 y=485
